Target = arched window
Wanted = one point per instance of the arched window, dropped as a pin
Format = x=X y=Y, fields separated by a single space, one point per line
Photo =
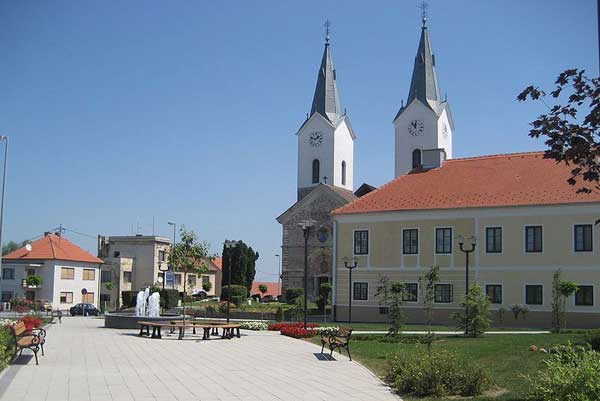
x=416 y=158
x=315 y=171
x=343 y=173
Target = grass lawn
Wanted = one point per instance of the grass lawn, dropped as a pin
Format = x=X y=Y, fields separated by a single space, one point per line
x=412 y=327
x=506 y=357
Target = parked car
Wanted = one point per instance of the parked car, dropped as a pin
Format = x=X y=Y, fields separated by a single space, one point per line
x=269 y=298
x=84 y=309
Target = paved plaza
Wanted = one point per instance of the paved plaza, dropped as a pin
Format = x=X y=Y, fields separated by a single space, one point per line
x=86 y=362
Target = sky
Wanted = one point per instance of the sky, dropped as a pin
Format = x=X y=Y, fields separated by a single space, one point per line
x=125 y=115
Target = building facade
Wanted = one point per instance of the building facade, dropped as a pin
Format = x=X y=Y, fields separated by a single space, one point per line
x=69 y=274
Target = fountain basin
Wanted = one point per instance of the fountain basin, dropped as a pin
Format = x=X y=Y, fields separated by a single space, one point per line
x=124 y=320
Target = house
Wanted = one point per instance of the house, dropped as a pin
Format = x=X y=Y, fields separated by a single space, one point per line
x=273 y=288
x=524 y=219
x=69 y=274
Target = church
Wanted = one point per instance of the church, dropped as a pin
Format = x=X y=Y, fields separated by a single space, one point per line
x=514 y=215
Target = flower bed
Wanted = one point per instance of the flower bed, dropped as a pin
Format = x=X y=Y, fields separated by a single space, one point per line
x=254 y=326
x=31 y=322
x=297 y=330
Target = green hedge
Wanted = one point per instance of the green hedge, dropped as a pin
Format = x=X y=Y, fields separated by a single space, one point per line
x=129 y=298
x=169 y=298
x=236 y=291
x=7 y=347
x=291 y=294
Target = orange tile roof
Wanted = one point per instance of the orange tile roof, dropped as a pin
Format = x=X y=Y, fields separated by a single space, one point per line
x=218 y=261
x=273 y=288
x=518 y=179
x=53 y=247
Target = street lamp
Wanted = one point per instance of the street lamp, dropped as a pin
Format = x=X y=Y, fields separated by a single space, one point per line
x=279 y=275
x=305 y=225
x=163 y=278
x=173 y=250
x=3 y=138
x=472 y=242
x=350 y=267
x=229 y=245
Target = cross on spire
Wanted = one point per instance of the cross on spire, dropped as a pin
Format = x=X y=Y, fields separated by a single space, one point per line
x=423 y=6
x=327 y=26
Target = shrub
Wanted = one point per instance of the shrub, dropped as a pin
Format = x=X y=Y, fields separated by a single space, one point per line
x=326 y=331
x=33 y=280
x=254 y=326
x=237 y=300
x=229 y=292
x=279 y=314
x=474 y=319
x=569 y=374
x=223 y=306
x=207 y=286
x=592 y=337
x=7 y=346
x=169 y=298
x=129 y=298
x=279 y=326
x=291 y=294
x=436 y=374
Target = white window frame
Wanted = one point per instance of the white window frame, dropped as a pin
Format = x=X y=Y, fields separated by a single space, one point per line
x=7 y=279
x=451 y=253
x=502 y=289
x=575 y=251
x=525 y=294
x=360 y=282
x=452 y=294
x=368 y=242
x=593 y=296
x=418 y=241
x=501 y=239
x=417 y=284
x=525 y=239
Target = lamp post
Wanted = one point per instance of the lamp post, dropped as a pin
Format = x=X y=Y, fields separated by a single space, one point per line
x=279 y=275
x=164 y=278
x=305 y=225
x=229 y=245
x=461 y=242
x=3 y=138
x=350 y=267
x=173 y=249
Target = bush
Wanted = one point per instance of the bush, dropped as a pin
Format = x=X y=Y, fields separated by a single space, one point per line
x=279 y=314
x=254 y=326
x=474 y=319
x=168 y=298
x=569 y=374
x=592 y=337
x=223 y=307
x=129 y=298
x=237 y=300
x=291 y=294
x=436 y=374
x=236 y=291
x=7 y=346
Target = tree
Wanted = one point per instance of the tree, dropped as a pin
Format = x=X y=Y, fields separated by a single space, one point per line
x=189 y=256
x=323 y=298
x=427 y=284
x=391 y=295
x=474 y=320
x=12 y=246
x=263 y=289
x=561 y=290
x=243 y=265
x=207 y=286
x=571 y=139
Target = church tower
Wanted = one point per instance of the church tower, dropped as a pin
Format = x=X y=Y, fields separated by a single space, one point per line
x=326 y=138
x=424 y=125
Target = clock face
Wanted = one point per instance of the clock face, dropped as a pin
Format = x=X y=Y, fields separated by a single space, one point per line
x=445 y=131
x=316 y=139
x=416 y=127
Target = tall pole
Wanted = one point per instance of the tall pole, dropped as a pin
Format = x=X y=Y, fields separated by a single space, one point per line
x=467 y=252
x=5 y=140
x=350 y=297
x=306 y=232
x=173 y=251
x=279 y=275
x=229 y=287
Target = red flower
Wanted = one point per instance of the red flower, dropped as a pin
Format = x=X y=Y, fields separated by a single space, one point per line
x=295 y=330
x=31 y=322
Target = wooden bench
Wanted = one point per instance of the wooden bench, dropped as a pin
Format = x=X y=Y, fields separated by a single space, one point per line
x=33 y=340
x=229 y=330
x=339 y=340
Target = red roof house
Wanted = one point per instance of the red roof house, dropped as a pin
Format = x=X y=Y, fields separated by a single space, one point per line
x=273 y=288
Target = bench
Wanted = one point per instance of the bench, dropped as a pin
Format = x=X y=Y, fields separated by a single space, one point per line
x=339 y=340
x=33 y=340
x=229 y=330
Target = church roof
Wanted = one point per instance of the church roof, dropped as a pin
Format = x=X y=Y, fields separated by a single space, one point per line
x=345 y=196
x=52 y=247
x=518 y=179
x=326 y=100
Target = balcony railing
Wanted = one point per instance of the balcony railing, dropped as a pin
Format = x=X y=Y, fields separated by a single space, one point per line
x=30 y=287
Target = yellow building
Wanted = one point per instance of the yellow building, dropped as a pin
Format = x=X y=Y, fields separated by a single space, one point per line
x=527 y=222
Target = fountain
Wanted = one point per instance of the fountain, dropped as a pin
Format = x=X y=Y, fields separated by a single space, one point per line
x=147 y=308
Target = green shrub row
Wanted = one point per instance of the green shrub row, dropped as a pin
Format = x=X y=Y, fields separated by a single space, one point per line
x=7 y=347
x=234 y=293
x=292 y=294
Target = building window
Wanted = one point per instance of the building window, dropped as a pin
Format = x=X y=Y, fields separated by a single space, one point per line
x=67 y=273
x=383 y=310
x=494 y=293
x=116 y=254
x=8 y=273
x=534 y=294
x=410 y=292
x=177 y=280
x=7 y=296
x=583 y=238
x=443 y=240
x=361 y=292
x=416 y=158
x=205 y=280
x=106 y=276
x=127 y=277
x=533 y=239
x=343 y=173
x=104 y=298
x=161 y=256
x=493 y=239
x=584 y=295
x=410 y=241
x=315 y=171
x=191 y=280
x=66 y=297
x=361 y=242
x=89 y=274
x=443 y=293
x=87 y=298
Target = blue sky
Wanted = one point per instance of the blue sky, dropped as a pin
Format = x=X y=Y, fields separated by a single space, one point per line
x=121 y=112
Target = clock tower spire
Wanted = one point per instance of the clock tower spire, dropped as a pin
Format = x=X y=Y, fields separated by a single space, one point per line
x=326 y=138
x=424 y=124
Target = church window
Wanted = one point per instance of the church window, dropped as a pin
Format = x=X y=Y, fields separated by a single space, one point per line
x=315 y=171
x=343 y=173
x=416 y=158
